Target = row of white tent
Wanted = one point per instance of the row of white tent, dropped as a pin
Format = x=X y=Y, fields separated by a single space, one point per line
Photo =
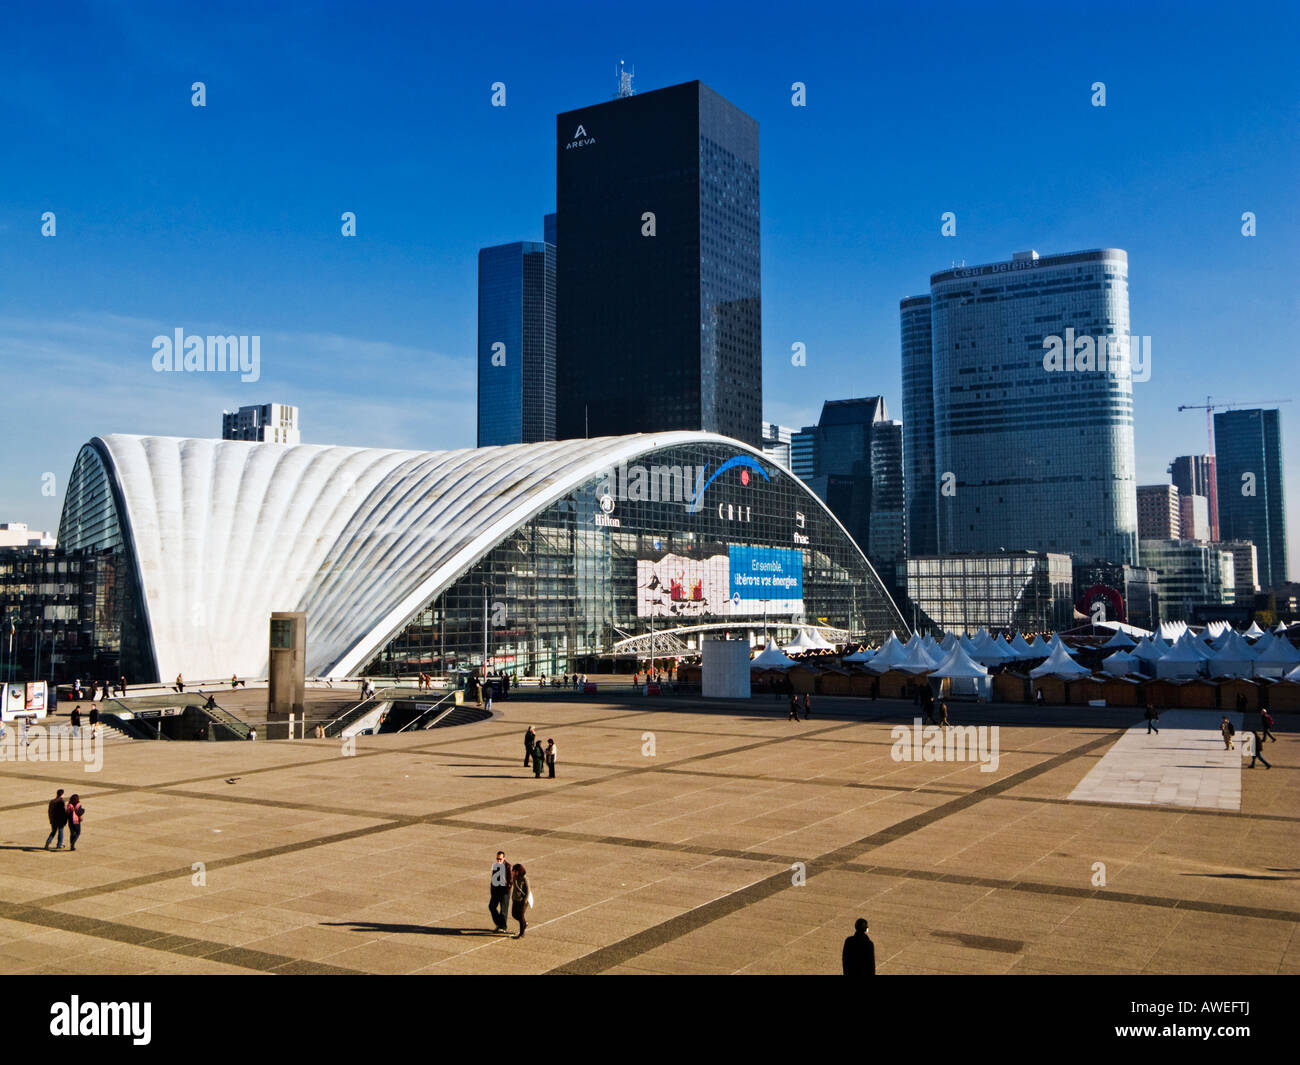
x=1175 y=651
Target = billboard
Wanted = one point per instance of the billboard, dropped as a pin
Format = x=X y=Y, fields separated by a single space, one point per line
x=20 y=700
x=720 y=580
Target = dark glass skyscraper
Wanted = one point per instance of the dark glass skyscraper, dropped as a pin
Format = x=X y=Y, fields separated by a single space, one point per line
x=1193 y=475
x=660 y=323
x=1248 y=457
x=516 y=343
x=918 y=426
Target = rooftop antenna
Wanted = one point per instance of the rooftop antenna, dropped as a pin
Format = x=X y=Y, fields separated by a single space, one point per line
x=625 y=82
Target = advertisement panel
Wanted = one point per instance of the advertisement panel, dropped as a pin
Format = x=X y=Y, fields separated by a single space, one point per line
x=766 y=579
x=35 y=698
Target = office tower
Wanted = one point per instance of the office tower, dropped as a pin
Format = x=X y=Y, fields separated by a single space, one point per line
x=16 y=534
x=548 y=229
x=1193 y=517
x=1245 y=564
x=516 y=343
x=659 y=301
x=1252 y=506
x=1028 y=455
x=1191 y=573
x=1193 y=475
x=918 y=426
x=1159 y=513
x=853 y=459
x=776 y=442
x=269 y=423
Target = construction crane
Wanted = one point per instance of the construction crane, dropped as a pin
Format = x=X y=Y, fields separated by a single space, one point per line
x=1209 y=406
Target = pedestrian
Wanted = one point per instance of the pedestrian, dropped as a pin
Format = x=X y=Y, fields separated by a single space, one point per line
x=1257 y=751
x=94 y=720
x=499 y=893
x=1225 y=726
x=943 y=714
x=27 y=722
x=252 y=733
x=807 y=705
x=1265 y=724
x=859 y=955
x=58 y=818
x=530 y=737
x=1038 y=697
x=76 y=814
x=121 y=685
x=75 y=720
x=1152 y=717
x=180 y=684
x=487 y=705
x=76 y=689
x=550 y=757
x=794 y=707
x=521 y=897
x=928 y=706
x=875 y=689
x=539 y=759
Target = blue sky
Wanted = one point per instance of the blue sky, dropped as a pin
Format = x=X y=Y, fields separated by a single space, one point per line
x=225 y=219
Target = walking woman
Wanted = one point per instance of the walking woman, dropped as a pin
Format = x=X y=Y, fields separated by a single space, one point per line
x=539 y=758
x=75 y=814
x=521 y=897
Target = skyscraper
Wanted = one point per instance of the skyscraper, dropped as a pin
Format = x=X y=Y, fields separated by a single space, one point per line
x=776 y=442
x=1159 y=512
x=516 y=343
x=1252 y=505
x=1193 y=475
x=853 y=459
x=659 y=290
x=918 y=426
x=272 y=423
x=1028 y=455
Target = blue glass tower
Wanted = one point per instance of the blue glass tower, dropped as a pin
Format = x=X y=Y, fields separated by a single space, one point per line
x=1248 y=452
x=516 y=343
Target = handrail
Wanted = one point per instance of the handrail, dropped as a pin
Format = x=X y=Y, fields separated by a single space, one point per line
x=360 y=710
x=420 y=717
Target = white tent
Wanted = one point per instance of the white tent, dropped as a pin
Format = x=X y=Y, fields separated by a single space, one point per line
x=802 y=642
x=1120 y=664
x=1281 y=627
x=958 y=664
x=1060 y=664
x=1254 y=632
x=1120 y=639
x=916 y=659
x=771 y=657
x=890 y=654
x=1233 y=658
x=819 y=641
x=1276 y=659
x=987 y=650
x=1293 y=676
x=1215 y=629
x=1184 y=659
x=865 y=655
x=1019 y=648
x=1170 y=631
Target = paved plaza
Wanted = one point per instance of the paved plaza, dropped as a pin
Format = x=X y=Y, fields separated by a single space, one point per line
x=680 y=836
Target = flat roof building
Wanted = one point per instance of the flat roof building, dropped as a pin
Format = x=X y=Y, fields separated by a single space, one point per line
x=1159 y=512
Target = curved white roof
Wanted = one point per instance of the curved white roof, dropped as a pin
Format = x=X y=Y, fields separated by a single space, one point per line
x=225 y=532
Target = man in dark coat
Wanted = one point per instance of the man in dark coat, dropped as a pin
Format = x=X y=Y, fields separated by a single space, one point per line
x=58 y=819
x=499 y=888
x=530 y=738
x=859 y=952
x=539 y=758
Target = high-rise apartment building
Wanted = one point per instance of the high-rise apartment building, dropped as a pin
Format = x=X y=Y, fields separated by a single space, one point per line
x=1033 y=443
x=660 y=318
x=1193 y=475
x=269 y=423
x=516 y=343
x=1252 y=503
x=1159 y=512
x=1193 y=517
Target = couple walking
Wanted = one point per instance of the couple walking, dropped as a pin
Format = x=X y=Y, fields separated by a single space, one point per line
x=68 y=815
x=537 y=754
x=509 y=884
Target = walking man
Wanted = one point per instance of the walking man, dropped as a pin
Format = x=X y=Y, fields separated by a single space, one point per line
x=1265 y=724
x=499 y=898
x=1225 y=726
x=550 y=757
x=58 y=818
x=859 y=953
x=75 y=720
x=1152 y=718
x=94 y=721
x=530 y=737
x=1257 y=751
x=794 y=707
x=807 y=705
x=943 y=713
x=927 y=705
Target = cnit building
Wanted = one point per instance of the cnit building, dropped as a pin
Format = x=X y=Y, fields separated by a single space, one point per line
x=549 y=554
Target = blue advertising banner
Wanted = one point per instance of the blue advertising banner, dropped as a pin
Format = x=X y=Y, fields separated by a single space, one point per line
x=765 y=579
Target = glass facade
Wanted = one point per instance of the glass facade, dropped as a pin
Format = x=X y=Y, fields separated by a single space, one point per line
x=622 y=554
x=918 y=426
x=1193 y=475
x=516 y=343
x=1022 y=590
x=659 y=330
x=1032 y=457
x=1252 y=504
x=1191 y=573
